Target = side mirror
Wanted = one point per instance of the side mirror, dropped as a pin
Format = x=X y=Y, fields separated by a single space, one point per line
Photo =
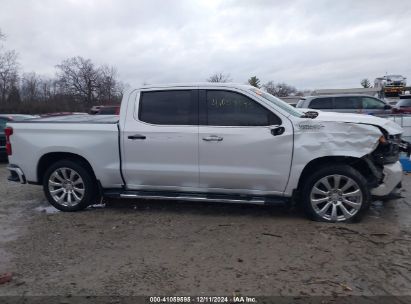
x=387 y=107
x=277 y=131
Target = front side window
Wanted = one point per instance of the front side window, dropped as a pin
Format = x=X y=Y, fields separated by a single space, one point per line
x=321 y=103
x=372 y=103
x=347 y=102
x=226 y=108
x=172 y=107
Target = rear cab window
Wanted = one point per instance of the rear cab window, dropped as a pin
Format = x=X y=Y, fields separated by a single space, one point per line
x=169 y=107
x=228 y=108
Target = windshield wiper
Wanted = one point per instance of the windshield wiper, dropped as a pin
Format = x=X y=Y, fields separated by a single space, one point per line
x=310 y=114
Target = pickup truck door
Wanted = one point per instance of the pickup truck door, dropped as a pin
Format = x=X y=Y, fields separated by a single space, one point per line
x=244 y=147
x=160 y=141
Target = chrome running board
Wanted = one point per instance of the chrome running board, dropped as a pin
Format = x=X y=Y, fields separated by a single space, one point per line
x=195 y=197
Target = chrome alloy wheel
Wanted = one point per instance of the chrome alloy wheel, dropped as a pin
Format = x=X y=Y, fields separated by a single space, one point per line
x=336 y=197
x=66 y=187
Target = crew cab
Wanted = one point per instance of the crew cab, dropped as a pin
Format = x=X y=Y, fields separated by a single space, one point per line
x=210 y=142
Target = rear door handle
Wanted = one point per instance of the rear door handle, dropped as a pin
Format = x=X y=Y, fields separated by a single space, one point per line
x=136 y=136
x=213 y=138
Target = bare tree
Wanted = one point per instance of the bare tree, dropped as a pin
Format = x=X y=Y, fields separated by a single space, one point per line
x=219 y=77
x=279 y=89
x=365 y=83
x=14 y=96
x=109 y=88
x=78 y=77
x=81 y=79
x=48 y=88
x=8 y=73
x=30 y=87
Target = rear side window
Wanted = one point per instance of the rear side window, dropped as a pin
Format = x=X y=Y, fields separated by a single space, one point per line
x=347 y=102
x=226 y=108
x=168 y=107
x=372 y=103
x=321 y=103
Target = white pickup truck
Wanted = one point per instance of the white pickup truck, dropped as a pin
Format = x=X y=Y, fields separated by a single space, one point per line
x=212 y=142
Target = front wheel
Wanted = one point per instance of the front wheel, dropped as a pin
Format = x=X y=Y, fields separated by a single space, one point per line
x=69 y=186
x=336 y=194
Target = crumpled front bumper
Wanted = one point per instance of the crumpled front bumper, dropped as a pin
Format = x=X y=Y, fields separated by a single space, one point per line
x=392 y=177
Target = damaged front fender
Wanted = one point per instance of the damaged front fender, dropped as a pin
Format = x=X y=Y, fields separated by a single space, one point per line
x=317 y=139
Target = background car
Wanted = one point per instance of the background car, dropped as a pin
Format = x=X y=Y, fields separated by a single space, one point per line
x=62 y=114
x=346 y=103
x=402 y=107
x=390 y=101
x=4 y=118
x=105 y=110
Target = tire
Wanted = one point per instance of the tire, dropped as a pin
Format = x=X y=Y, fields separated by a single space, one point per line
x=69 y=185
x=345 y=198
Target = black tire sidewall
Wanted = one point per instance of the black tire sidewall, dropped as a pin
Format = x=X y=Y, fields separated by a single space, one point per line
x=330 y=170
x=88 y=179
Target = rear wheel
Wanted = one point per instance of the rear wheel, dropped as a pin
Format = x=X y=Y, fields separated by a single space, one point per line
x=336 y=194
x=69 y=186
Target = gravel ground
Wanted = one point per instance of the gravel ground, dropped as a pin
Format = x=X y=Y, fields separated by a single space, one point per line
x=171 y=248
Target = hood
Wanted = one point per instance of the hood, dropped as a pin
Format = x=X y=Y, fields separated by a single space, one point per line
x=391 y=127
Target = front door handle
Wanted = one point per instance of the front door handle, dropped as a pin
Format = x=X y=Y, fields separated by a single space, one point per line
x=213 y=138
x=136 y=136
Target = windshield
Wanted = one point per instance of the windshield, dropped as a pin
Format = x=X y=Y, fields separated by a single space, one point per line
x=278 y=102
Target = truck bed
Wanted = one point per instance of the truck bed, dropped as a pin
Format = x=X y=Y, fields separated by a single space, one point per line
x=88 y=119
x=92 y=137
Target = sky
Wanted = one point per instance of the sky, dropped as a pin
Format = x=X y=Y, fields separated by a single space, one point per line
x=308 y=44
